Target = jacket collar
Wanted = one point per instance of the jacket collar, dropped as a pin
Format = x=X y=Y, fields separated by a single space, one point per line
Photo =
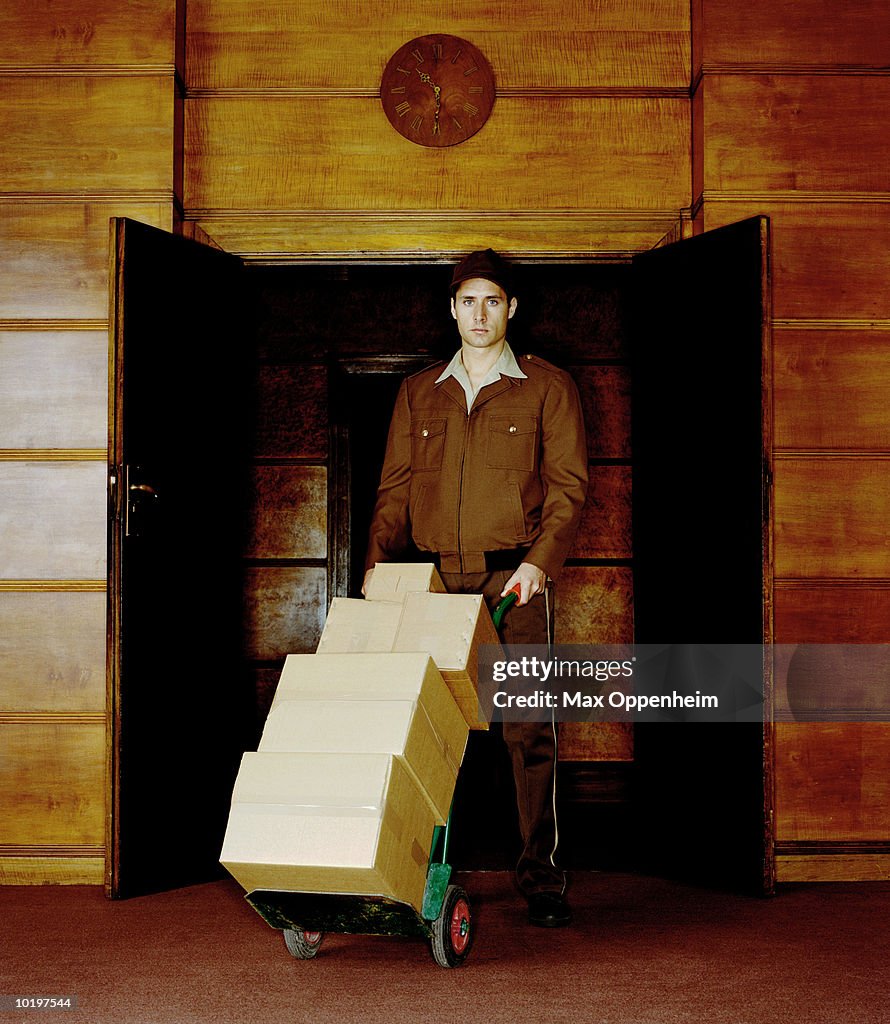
x=505 y=368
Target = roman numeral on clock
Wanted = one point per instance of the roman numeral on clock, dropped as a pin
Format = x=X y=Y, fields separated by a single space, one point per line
x=403 y=108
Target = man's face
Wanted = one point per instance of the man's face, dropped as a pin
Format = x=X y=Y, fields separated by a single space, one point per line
x=481 y=310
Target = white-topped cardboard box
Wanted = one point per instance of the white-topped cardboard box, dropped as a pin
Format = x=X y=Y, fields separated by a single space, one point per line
x=372 y=703
x=356 y=626
x=331 y=823
x=448 y=627
x=391 y=581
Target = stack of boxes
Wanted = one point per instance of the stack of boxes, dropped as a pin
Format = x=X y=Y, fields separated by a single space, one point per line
x=360 y=752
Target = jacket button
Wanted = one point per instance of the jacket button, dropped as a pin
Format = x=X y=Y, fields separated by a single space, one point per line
x=512 y=429
x=424 y=433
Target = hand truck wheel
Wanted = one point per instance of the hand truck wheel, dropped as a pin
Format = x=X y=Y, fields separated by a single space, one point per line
x=453 y=929
x=302 y=944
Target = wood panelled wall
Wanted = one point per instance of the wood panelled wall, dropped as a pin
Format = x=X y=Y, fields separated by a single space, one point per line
x=790 y=103
x=88 y=115
x=288 y=152
x=259 y=126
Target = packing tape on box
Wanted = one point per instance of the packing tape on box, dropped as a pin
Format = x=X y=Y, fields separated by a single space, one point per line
x=418 y=855
x=397 y=825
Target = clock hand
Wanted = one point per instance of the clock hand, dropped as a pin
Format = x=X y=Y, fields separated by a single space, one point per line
x=425 y=78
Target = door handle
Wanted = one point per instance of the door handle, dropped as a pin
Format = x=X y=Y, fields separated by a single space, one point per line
x=141 y=498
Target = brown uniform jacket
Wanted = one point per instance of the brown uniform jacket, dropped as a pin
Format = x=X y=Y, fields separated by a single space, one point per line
x=511 y=473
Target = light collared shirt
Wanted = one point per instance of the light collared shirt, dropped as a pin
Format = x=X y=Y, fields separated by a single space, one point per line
x=506 y=366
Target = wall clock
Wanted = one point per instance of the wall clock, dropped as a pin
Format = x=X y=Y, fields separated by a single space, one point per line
x=437 y=90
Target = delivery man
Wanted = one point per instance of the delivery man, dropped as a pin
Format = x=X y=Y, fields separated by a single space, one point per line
x=486 y=470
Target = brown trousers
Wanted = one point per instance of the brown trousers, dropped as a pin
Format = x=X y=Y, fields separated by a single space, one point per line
x=532 y=745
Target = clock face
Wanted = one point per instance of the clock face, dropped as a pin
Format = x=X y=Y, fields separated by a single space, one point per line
x=437 y=90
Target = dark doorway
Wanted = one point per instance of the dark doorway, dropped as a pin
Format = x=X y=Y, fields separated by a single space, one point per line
x=331 y=345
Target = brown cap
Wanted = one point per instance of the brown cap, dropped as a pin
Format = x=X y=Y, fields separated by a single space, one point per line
x=484 y=263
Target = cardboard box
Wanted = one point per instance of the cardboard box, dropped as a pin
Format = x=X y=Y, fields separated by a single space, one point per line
x=390 y=581
x=449 y=627
x=354 y=625
x=372 y=703
x=333 y=823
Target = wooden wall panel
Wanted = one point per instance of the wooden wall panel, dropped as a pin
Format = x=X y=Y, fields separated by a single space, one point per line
x=52 y=520
x=52 y=786
x=796 y=32
x=833 y=781
x=302 y=153
x=52 y=652
x=829 y=258
x=596 y=741
x=71 y=32
x=51 y=870
x=265 y=679
x=698 y=147
x=313 y=312
x=766 y=133
x=345 y=44
x=594 y=605
x=293 y=412
x=598 y=327
x=71 y=133
x=289 y=506
x=831 y=517
x=834 y=614
x=832 y=388
x=605 y=530
x=356 y=236
x=605 y=393
x=52 y=389
x=54 y=256
x=285 y=613
x=88 y=122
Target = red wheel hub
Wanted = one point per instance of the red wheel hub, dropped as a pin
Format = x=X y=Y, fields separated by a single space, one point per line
x=313 y=938
x=460 y=926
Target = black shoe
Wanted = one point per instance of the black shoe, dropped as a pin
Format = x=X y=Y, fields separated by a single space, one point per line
x=548 y=910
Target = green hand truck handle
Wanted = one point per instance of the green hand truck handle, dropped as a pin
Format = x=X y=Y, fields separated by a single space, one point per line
x=498 y=615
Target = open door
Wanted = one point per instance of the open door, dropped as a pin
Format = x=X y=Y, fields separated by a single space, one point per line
x=701 y=541
x=181 y=708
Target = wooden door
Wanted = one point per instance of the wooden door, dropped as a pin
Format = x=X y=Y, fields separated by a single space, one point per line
x=181 y=709
x=701 y=540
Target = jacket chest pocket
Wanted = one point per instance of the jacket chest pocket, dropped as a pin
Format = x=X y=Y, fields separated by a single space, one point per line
x=512 y=442
x=427 y=444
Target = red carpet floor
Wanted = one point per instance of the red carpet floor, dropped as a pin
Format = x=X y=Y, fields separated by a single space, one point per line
x=641 y=951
